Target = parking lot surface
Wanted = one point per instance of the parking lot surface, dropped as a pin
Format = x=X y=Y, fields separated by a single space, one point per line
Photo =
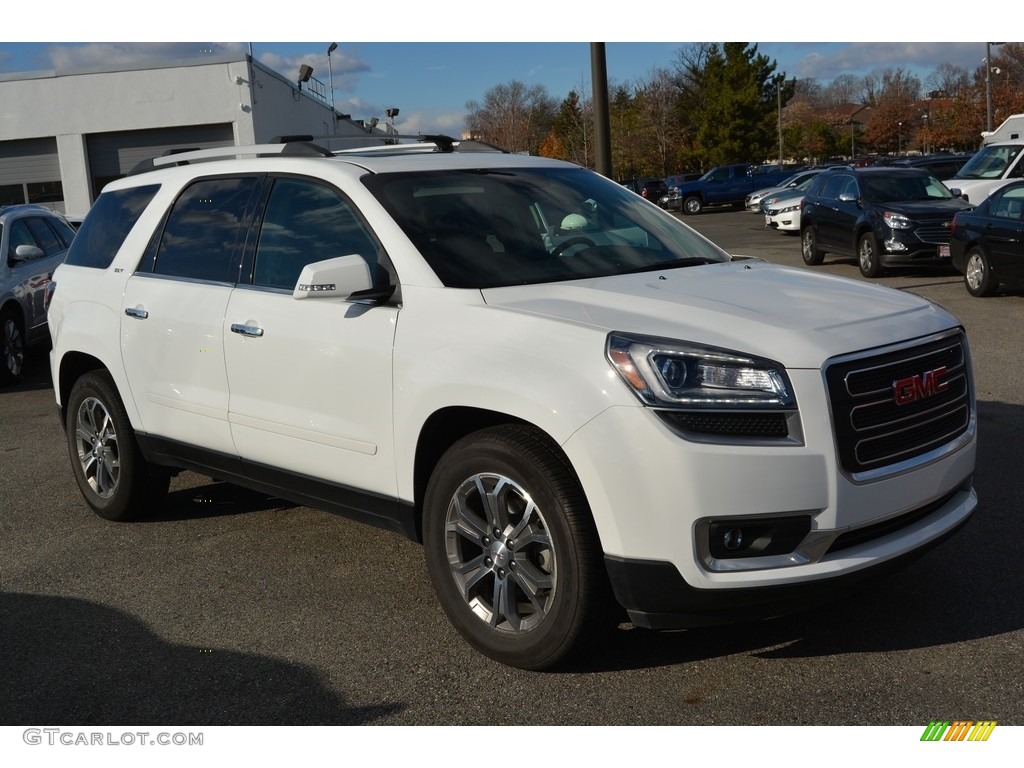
x=226 y=607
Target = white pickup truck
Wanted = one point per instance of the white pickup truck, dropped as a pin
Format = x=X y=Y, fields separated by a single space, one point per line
x=998 y=162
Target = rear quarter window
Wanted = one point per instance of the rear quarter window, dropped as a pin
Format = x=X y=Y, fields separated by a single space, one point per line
x=107 y=225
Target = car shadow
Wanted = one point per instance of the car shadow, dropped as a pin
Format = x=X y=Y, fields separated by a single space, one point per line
x=969 y=587
x=214 y=499
x=74 y=662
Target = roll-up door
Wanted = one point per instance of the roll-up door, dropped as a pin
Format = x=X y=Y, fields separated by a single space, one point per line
x=29 y=172
x=113 y=155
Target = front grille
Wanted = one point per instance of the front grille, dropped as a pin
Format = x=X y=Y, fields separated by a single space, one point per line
x=935 y=231
x=893 y=407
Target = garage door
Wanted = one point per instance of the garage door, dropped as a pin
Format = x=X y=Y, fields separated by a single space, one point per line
x=30 y=172
x=113 y=155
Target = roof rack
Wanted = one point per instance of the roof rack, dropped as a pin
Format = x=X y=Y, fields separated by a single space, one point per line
x=188 y=156
x=304 y=146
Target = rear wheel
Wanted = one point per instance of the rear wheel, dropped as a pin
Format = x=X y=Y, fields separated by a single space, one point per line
x=809 y=248
x=12 y=347
x=512 y=550
x=978 y=277
x=867 y=256
x=111 y=473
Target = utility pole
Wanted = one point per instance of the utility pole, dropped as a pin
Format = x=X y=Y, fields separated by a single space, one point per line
x=602 y=131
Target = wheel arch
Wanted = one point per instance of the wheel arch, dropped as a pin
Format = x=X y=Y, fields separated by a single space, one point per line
x=445 y=427
x=72 y=367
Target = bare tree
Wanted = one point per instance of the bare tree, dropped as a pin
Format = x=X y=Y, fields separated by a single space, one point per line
x=948 y=80
x=513 y=115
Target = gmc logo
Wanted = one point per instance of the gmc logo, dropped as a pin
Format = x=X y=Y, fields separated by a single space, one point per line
x=914 y=388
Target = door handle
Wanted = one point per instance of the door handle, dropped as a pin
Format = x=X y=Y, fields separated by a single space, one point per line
x=141 y=314
x=246 y=330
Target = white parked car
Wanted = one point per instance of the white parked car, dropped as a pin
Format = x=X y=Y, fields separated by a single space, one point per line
x=578 y=404
x=782 y=212
x=796 y=181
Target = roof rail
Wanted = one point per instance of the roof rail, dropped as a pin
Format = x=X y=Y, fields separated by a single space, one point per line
x=187 y=156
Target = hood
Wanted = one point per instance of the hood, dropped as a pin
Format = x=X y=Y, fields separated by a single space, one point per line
x=797 y=317
x=922 y=209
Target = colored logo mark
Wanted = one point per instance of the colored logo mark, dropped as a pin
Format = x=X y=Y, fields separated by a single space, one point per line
x=958 y=730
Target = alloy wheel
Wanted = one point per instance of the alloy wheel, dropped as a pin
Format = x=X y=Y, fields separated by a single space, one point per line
x=500 y=553
x=96 y=442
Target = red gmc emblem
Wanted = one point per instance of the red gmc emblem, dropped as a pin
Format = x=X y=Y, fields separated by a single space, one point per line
x=914 y=388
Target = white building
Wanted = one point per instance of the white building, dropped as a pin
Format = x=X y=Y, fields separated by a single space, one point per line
x=63 y=135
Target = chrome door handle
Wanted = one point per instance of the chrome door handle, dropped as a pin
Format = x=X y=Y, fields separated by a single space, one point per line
x=135 y=312
x=246 y=330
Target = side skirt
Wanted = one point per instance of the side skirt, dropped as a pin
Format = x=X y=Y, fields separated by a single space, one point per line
x=380 y=511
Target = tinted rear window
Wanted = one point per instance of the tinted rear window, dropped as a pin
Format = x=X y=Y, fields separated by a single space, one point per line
x=107 y=225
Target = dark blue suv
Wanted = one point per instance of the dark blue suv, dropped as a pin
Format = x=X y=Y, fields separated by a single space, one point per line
x=882 y=216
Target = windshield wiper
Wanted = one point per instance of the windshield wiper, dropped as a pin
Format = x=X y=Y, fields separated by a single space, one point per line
x=692 y=261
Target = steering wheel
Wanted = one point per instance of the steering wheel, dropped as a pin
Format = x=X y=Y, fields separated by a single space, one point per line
x=565 y=245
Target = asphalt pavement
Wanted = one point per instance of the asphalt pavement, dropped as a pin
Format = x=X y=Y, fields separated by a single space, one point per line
x=229 y=608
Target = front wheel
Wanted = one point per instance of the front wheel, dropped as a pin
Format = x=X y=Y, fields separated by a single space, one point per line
x=978 y=277
x=867 y=256
x=693 y=205
x=111 y=473
x=512 y=550
x=12 y=347
x=812 y=255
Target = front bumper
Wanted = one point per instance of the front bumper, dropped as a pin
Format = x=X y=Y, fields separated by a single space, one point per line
x=654 y=492
x=656 y=596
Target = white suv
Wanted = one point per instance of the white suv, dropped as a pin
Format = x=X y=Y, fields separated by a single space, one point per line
x=571 y=398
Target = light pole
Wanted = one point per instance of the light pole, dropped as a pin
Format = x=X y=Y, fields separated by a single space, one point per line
x=988 y=85
x=392 y=113
x=331 y=49
x=779 y=80
x=899 y=138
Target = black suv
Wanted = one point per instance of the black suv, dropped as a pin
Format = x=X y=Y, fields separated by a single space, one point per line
x=883 y=216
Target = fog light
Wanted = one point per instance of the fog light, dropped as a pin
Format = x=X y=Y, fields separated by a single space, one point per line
x=733 y=539
x=756 y=537
x=894 y=246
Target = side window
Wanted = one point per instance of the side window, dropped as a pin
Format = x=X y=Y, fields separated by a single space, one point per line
x=109 y=221
x=306 y=222
x=20 y=235
x=1010 y=205
x=833 y=187
x=45 y=236
x=201 y=237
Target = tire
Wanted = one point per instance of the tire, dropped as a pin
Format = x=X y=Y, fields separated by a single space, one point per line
x=512 y=550
x=978 y=277
x=693 y=205
x=111 y=473
x=12 y=347
x=813 y=256
x=867 y=256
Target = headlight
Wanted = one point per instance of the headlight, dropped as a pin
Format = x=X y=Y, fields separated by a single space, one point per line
x=896 y=220
x=676 y=374
x=790 y=208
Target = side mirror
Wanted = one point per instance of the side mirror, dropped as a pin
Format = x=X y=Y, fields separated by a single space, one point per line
x=25 y=253
x=337 y=278
x=956 y=192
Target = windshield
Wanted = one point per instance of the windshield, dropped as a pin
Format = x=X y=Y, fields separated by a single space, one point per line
x=989 y=162
x=511 y=226
x=903 y=188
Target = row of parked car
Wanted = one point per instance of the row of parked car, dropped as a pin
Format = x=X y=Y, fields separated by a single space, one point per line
x=897 y=213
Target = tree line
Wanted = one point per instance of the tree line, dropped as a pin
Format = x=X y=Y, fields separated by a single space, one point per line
x=726 y=102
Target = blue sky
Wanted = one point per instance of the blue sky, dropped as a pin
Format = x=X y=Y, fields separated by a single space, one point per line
x=430 y=82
